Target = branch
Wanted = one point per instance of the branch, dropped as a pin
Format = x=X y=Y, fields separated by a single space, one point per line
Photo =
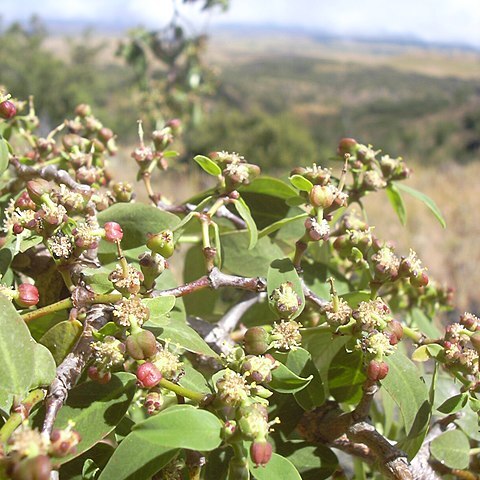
x=69 y=371
x=222 y=212
x=215 y=279
x=49 y=172
x=218 y=335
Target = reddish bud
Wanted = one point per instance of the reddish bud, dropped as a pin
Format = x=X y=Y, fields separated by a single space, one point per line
x=148 y=375
x=377 y=370
x=32 y=468
x=105 y=134
x=37 y=188
x=141 y=345
x=347 y=145
x=64 y=442
x=27 y=295
x=7 y=109
x=261 y=452
x=98 y=376
x=419 y=280
x=83 y=110
x=396 y=328
x=113 y=232
x=17 y=229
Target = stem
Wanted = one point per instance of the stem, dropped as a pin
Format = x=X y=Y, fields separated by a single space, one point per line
x=182 y=391
x=20 y=414
x=66 y=304
x=213 y=210
x=412 y=334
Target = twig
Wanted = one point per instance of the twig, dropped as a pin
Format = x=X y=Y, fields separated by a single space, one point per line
x=49 y=172
x=69 y=371
x=218 y=335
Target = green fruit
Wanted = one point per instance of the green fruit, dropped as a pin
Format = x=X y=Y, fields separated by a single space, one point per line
x=162 y=243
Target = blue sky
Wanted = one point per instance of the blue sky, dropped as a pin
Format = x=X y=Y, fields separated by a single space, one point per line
x=445 y=21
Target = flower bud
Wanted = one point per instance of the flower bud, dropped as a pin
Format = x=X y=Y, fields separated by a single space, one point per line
x=256 y=341
x=99 y=376
x=469 y=321
x=395 y=327
x=32 y=468
x=37 y=188
x=161 y=243
x=64 y=442
x=261 y=452
x=285 y=300
x=154 y=402
x=141 y=345
x=377 y=370
x=152 y=266
x=7 y=109
x=419 y=280
x=113 y=232
x=347 y=146
x=24 y=202
x=27 y=295
x=83 y=110
x=321 y=196
x=105 y=134
x=148 y=375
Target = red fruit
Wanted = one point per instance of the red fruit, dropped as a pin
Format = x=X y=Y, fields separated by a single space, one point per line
x=148 y=375
x=17 y=229
x=377 y=370
x=105 y=134
x=27 y=295
x=97 y=376
x=113 y=232
x=261 y=452
x=7 y=109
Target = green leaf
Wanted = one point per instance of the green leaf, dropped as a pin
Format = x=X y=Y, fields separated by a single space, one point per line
x=285 y=381
x=355 y=298
x=136 y=459
x=136 y=220
x=182 y=426
x=96 y=409
x=244 y=212
x=323 y=347
x=426 y=352
x=269 y=186
x=313 y=463
x=423 y=323
x=426 y=200
x=397 y=202
x=454 y=404
x=97 y=457
x=451 y=449
x=408 y=390
x=25 y=364
x=159 y=306
x=346 y=377
x=208 y=165
x=277 y=468
x=240 y=261
x=280 y=272
x=61 y=338
x=301 y=183
x=179 y=333
x=3 y=155
x=299 y=361
x=277 y=225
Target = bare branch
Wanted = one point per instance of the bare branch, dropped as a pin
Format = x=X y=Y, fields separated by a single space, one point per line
x=69 y=371
x=49 y=172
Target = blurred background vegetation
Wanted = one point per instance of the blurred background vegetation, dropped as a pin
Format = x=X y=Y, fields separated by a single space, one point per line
x=280 y=99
